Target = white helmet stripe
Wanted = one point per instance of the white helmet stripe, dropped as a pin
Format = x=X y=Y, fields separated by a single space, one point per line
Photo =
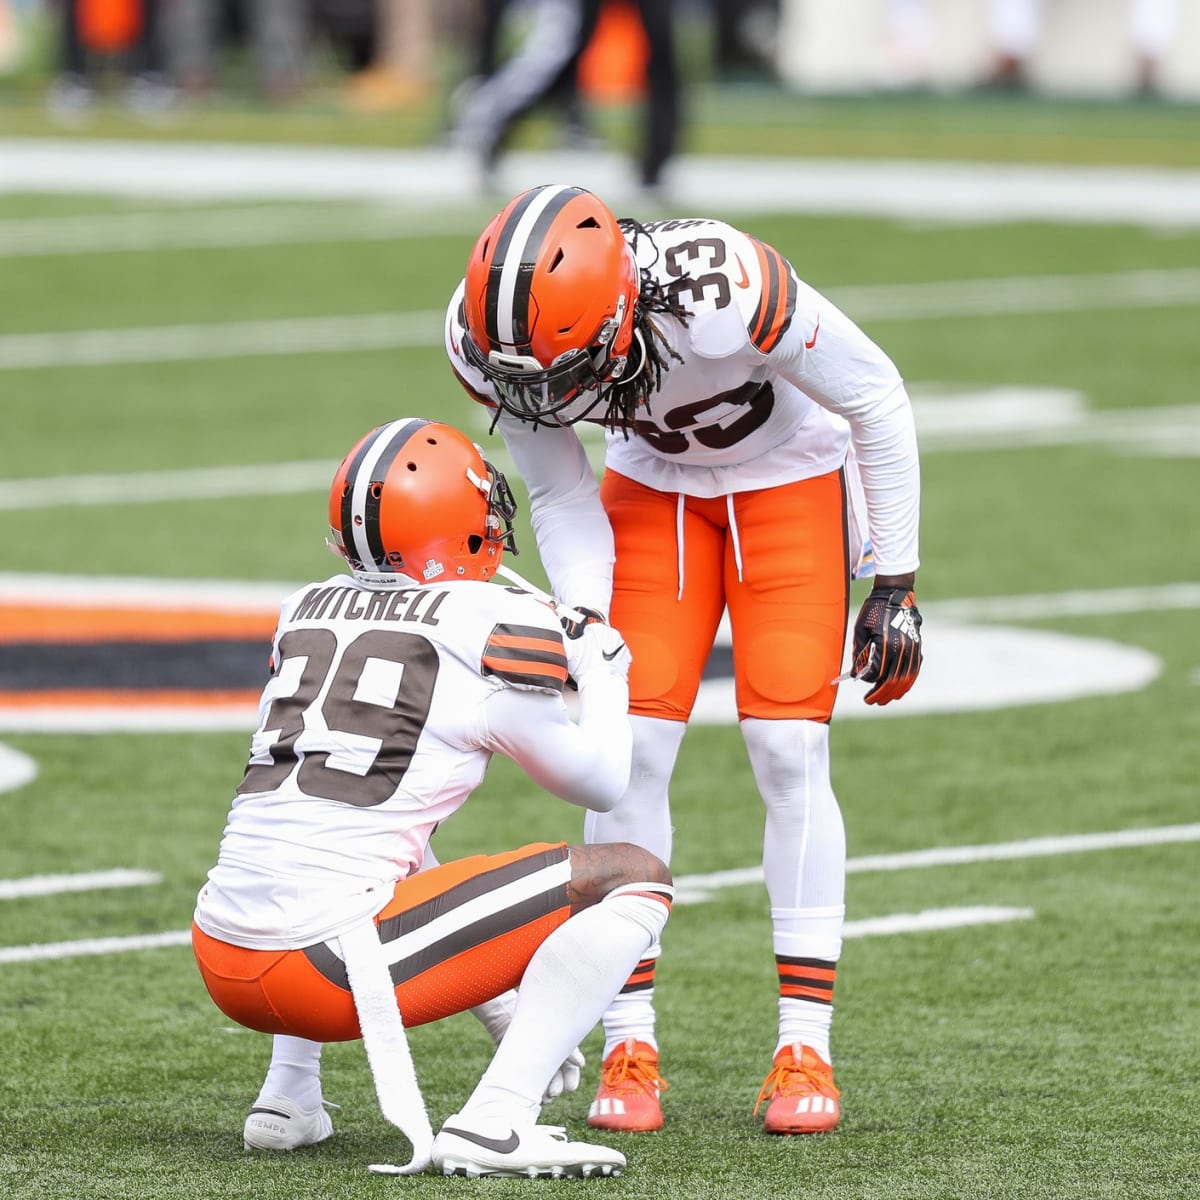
x=387 y=441
x=514 y=257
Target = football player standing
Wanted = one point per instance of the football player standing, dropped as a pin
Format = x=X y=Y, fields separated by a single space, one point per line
x=761 y=451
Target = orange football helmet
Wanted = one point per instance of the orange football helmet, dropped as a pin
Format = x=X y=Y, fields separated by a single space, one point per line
x=415 y=499
x=548 y=306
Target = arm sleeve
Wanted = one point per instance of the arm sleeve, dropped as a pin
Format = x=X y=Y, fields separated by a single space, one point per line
x=574 y=538
x=586 y=763
x=830 y=359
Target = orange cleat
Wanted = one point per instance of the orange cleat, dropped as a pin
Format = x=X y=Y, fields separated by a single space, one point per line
x=802 y=1095
x=630 y=1085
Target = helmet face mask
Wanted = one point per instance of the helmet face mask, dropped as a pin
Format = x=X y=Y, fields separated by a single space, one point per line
x=548 y=305
x=577 y=379
x=415 y=500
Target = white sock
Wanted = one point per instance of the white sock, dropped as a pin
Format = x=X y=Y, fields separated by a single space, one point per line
x=631 y=1014
x=295 y=1071
x=808 y=944
x=572 y=976
x=642 y=816
x=804 y=864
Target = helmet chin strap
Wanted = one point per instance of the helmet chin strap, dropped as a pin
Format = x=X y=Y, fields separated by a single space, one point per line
x=641 y=344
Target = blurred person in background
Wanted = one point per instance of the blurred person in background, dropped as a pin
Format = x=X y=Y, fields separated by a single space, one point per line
x=398 y=71
x=744 y=37
x=277 y=32
x=495 y=18
x=100 y=40
x=760 y=448
x=1015 y=27
x=546 y=61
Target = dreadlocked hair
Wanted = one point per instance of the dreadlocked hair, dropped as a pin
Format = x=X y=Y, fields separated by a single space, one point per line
x=626 y=397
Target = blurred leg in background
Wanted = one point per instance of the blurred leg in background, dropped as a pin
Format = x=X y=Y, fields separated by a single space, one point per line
x=400 y=72
x=662 y=85
x=545 y=61
x=1013 y=27
x=1152 y=25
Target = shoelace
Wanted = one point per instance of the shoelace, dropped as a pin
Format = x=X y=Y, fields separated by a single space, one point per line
x=633 y=1072
x=780 y=1081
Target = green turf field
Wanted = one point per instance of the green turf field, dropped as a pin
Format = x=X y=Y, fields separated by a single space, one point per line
x=1049 y=1055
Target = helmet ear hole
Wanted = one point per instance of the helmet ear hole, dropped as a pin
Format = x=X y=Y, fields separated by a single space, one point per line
x=474 y=542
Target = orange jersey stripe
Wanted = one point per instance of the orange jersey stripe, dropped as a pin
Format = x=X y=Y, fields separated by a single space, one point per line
x=526 y=654
x=776 y=300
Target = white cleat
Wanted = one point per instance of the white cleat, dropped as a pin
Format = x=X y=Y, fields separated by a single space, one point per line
x=538 y=1152
x=276 y=1123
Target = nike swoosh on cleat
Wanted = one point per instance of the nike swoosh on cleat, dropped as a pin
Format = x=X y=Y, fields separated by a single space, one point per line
x=744 y=282
x=809 y=344
x=497 y=1145
x=604 y=654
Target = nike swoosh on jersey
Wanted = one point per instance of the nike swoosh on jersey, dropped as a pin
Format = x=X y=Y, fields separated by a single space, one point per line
x=744 y=281
x=809 y=343
x=496 y=1145
x=608 y=657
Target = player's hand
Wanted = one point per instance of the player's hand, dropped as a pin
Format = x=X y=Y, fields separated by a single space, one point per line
x=575 y=620
x=887 y=643
x=599 y=647
x=566 y=1078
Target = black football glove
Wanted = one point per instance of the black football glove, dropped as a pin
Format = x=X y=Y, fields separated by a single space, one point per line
x=887 y=643
x=575 y=620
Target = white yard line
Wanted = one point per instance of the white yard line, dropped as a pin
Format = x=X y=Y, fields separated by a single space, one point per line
x=395 y=330
x=932 y=919
x=1154 y=197
x=194 y=229
x=94 y=946
x=696 y=889
x=89 y=881
x=233 y=339
x=922 y=922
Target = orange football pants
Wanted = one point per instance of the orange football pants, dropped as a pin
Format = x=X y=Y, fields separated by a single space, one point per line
x=305 y=992
x=777 y=558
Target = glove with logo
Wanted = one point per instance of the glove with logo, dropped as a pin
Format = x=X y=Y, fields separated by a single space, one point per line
x=575 y=620
x=887 y=643
x=599 y=647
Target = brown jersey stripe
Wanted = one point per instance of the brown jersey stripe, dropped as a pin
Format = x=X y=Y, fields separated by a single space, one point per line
x=527 y=654
x=467 y=937
x=776 y=300
x=526 y=675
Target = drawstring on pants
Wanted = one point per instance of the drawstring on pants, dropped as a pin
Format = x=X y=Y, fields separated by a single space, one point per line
x=733 y=531
x=679 y=544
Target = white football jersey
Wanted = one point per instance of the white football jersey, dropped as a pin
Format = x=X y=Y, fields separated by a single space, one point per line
x=380 y=718
x=767 y=383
